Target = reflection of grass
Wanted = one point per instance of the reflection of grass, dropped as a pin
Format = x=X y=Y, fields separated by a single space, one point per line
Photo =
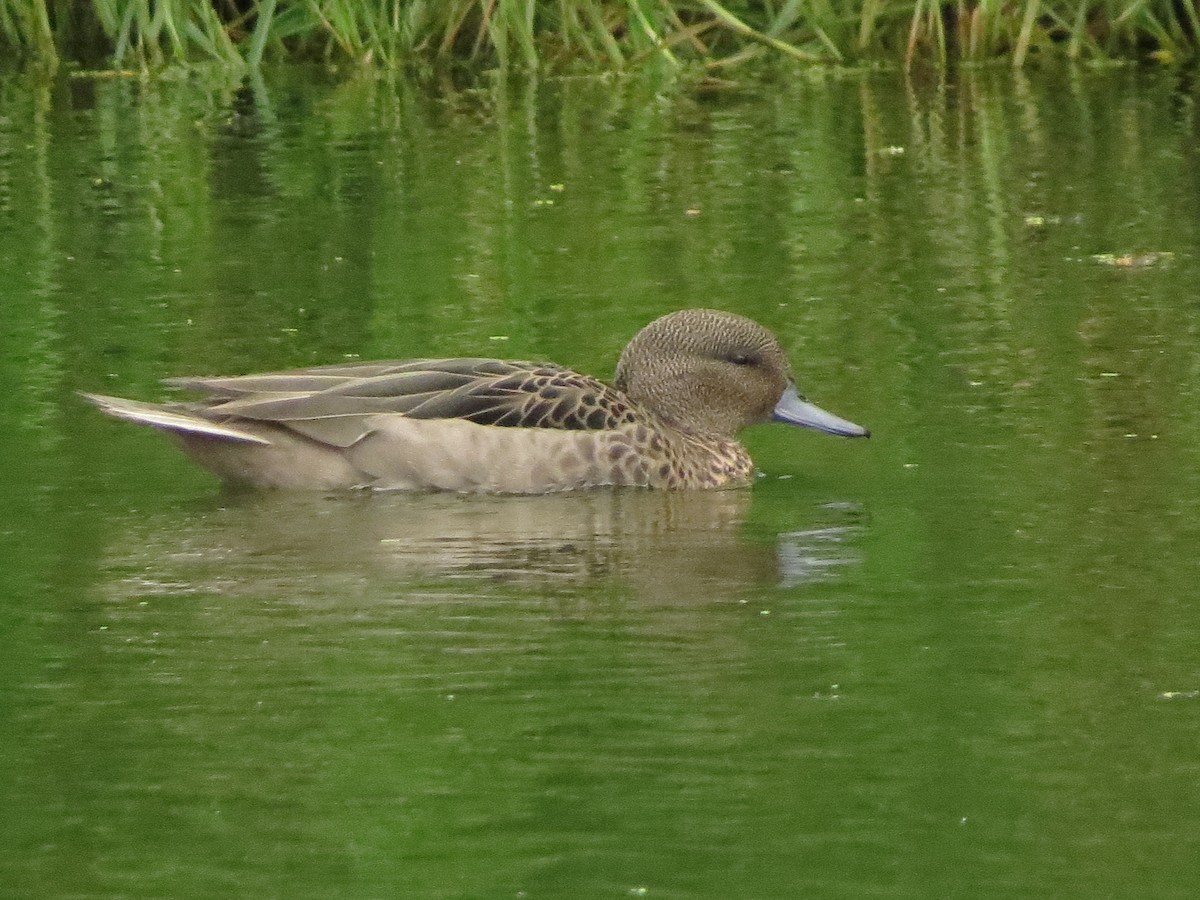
x=558 y=35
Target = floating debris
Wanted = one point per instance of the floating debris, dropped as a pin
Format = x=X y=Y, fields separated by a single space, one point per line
x=1036 y=220
x=1133 y=260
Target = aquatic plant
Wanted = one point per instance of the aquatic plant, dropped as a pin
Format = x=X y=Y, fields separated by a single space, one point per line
x=557 y=35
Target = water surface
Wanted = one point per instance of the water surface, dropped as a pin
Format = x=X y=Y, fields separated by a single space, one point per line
x=959 y=660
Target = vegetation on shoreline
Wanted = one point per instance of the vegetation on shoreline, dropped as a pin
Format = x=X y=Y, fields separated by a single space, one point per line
x=565 y=35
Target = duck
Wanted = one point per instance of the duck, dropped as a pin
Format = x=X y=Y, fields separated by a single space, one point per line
x=685 y=385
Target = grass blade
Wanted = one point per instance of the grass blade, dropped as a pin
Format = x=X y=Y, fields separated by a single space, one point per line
x=262 y=30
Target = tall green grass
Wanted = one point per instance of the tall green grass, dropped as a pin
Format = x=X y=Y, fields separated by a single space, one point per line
x=562 y=35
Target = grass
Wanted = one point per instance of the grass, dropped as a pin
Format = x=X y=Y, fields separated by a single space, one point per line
x=564 y=35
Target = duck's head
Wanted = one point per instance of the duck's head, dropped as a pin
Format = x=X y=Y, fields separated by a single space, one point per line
x=713 y=373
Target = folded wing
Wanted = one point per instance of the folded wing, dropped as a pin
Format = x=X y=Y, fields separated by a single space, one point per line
x=337 y=404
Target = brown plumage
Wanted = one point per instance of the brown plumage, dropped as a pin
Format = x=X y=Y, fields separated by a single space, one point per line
x=685 y=385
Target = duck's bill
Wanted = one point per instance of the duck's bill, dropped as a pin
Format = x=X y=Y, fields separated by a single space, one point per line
x=795 y=410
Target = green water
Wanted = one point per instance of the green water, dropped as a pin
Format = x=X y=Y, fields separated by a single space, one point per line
x=958 y=660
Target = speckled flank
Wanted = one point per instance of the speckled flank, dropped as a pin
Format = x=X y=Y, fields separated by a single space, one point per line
x=707 y=463
x=673 y=460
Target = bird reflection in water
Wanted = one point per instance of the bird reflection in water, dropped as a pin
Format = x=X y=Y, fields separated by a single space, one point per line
x=665 y=547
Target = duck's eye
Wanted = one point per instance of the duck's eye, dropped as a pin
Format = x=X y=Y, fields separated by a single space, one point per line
x=743 y=359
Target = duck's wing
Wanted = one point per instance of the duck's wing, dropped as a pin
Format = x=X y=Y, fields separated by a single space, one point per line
x=406 y=376
x=334 y=404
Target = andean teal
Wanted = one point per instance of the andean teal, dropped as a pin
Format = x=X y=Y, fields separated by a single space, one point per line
x=685 y=385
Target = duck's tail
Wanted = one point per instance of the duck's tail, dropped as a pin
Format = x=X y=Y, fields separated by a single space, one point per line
x=169 y=418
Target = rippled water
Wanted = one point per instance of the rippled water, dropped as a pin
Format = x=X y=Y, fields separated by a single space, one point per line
x=957 y=660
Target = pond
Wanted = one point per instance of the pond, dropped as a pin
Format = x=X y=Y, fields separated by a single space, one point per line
x=957 y=660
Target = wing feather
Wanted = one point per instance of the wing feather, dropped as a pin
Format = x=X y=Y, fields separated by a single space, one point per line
x=332 y=404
